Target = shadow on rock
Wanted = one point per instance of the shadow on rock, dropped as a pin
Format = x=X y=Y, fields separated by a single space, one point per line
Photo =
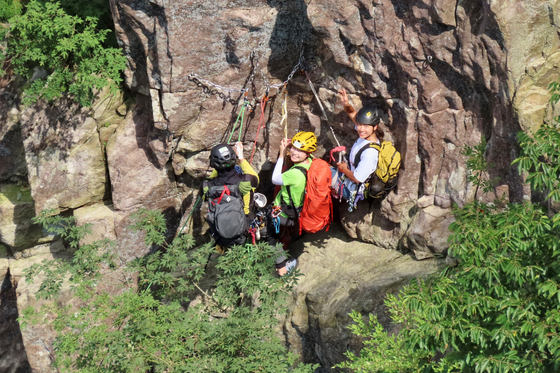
x=13 y=358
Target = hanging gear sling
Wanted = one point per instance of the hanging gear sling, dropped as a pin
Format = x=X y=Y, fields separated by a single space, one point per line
x=242 y=116
x=264 y=100
x=284 y=120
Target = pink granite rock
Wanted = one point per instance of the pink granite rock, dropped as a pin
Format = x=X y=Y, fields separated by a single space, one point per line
x=137 y=156
x=441 y=67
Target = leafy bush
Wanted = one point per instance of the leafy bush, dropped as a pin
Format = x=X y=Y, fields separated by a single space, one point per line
x=69 y=48
x=478 y=167
x=99 y=9
x=496 y=312
x=540 y=157
x=84 y=267
x=9 y=8
x=155 y=326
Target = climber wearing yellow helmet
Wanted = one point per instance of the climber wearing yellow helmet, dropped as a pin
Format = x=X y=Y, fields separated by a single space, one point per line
x=292 y=182
x=289 y=201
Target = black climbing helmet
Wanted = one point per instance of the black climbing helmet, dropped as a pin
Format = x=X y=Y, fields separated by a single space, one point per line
x=222 y=157
x=369 y=115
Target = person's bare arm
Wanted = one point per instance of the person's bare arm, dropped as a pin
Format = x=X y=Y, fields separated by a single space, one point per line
x=277 y=173
x=348 y=108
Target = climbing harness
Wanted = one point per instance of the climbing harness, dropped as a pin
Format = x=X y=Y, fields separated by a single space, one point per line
x=261 y=125
x=338 y=186
x=256 y=225
x=242 y=116
x=355 y=197
x=284 y=120
x=275 y=213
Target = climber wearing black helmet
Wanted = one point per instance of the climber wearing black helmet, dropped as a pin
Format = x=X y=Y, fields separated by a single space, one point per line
x=363 y=159
x=229 y=191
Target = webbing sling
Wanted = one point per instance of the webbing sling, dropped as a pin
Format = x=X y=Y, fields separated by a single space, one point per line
x=284 y=120
x=242 y=116
x=261 y=124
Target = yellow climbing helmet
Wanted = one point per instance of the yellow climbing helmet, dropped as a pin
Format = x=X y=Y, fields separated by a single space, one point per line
x=305 y=141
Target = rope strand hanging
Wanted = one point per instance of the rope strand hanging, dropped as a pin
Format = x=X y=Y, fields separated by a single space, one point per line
x=342 y=154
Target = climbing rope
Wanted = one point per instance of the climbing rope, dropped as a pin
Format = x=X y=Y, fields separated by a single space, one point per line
x=199 y=199
x=342 y=153
x=316 y=96
x=284 y=120
x=242 y=116
x=264 y=99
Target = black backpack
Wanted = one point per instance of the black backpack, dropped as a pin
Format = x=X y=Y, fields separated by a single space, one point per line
x=226 y=216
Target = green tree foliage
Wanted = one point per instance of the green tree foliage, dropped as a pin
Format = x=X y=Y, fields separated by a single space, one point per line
x=99 y=9
x=152 y=325
x=498 y=310
x=83 y=270
x=9 y=8
x=383 y=352
x=69 y=48
x=478 y=166
x=540 y=157
x=554 y=89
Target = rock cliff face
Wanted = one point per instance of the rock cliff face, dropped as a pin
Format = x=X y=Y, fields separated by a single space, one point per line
x=340 y=275
x=449 y=73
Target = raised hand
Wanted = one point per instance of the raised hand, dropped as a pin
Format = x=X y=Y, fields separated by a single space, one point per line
x=283 y=145
x=343 y=97
x=238 y=148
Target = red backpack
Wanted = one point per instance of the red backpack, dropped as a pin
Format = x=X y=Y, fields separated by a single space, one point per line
x=317 y=209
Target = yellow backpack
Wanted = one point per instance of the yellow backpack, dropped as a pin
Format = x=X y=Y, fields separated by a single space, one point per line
x=385 y=176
